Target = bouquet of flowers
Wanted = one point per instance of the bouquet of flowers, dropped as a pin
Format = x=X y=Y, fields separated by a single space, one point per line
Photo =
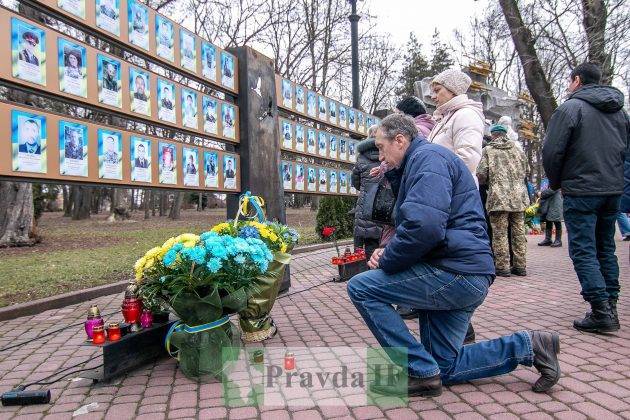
x=531 y=214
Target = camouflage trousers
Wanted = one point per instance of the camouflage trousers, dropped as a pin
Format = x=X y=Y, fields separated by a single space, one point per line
x=500 y=220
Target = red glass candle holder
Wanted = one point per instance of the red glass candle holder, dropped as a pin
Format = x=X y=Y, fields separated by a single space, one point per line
x=113 y=331
x=289 y=361
x=131 y=310
x=98 y=334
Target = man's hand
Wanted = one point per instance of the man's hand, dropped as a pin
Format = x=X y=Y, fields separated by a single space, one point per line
x=375 y=171
x=376 y=255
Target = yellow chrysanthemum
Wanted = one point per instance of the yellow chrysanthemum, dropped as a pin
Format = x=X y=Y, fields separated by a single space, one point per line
x=169 y=243
x=189 y=244
x=139 y=264
x=220 y=227
x=283 y=248
x=153 y=252
x=187 y=237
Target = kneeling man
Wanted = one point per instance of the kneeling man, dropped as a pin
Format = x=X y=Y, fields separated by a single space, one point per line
x=439 y=261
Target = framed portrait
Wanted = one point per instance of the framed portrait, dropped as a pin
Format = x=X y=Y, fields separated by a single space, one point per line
x=343 y=148
x=227 y=70
x=210 y=115
x=311 y=141
x=140 y=159
x=332 y=149
x=323 y=180
x=72 y=68
x=191 y=167
x=332 y=185
x=28 y=142
x=287 y=134
x=322 y=108
x=229 y=172
x=369 y=122
x=322 y=144
x=209 y=61
x=350 y=186
x=140 y=91
x=211 y=169
x=228 y=120
x=343 y=183
x=352 y=151
x=28 y=52
x=300 y=103
x=167 y=156
x=287 y=94
x=166 y=101
x=311 y=104
x=351 y=120
x=343 y=116
x=165 y=42
x=109 y=81
x=188 y=50
x=138 y=17
x=311 y=179
x=73 y=149
x=108 y=15
x=332 y=112
x=75 y=7
x=360 y=122
x=299 y=138
x=287 y=175
x=299 y=177
x=109 y=154
x=189 y=109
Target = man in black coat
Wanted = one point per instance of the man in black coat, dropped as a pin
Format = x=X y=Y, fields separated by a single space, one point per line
x=584 y=153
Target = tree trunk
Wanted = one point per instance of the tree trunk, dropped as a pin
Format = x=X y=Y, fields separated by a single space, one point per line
x=67 y=201
x=163 y=202
x=119 y=209
x=535 y=78
x=147 y=203
x=174 y=214
x=82 y=203
x=17 y=221
x=315 y=202
x=153 y=194
x=200 y=203
x=594 y=20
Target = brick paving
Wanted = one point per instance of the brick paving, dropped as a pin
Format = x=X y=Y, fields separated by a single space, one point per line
x=596 y=369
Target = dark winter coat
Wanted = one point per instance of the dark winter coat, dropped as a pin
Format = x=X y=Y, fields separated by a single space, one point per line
x=439 y=217
x=550 y=205
x=364 y=227
x=625 y=199
x=586 y=143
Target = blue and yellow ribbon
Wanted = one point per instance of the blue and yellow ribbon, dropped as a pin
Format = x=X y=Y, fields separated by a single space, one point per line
x=246 y=200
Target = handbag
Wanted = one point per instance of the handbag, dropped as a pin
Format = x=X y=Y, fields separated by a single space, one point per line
x=379 y=203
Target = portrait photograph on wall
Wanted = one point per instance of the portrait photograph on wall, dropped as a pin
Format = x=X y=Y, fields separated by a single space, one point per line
x=167 y=169
x=72 y=68
x=108 y=15
x=75 y=7
x=343 y=120
x=332 y=185
x=109 y=154
x=299 y=177
x=140 y=92
x=360 y=122
x=322 y=108
x=351 y=187
x=109 y=81
x=311 y=179
x=352 y=151
x=189 y=109
x=73 y=149
x=332 y=112
x=227 y=70
x=287 y=175
x=165 y=42
x=299 y=137
x=166 y=101
x=140 y=159
x=287 y=94
x=311 y=104
x=209 y=61
x=287 y=134
x=28 y=52
x=191 y=167
x=210 y=115
x=351 y=121
x=343 y=183
x=323 y=180
x=332 y=149
x=211 y=169
x=28 y=141
x=188 y=50
x=138 y=19
x=228 y=120
x=229 y=172
x=300 y=104
x=322 y=144
x=311 y=141
x=343 y=149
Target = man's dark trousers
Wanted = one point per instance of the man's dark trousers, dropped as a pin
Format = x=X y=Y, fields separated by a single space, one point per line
x=590 y=222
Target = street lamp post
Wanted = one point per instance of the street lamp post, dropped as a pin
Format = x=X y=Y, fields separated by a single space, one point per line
x=354 y=36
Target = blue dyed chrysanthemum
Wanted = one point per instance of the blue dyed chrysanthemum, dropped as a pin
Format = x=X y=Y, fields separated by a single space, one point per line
x=249 y=232
x=214 y=265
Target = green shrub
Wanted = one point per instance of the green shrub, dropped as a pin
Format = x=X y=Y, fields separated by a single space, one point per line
x=334 y=211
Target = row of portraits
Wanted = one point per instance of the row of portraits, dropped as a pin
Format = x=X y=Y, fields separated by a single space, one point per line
x=174 y=102
x=299 y=138
x=298 y=99
x=300 y=177
x=141 y=21
x=29 y=134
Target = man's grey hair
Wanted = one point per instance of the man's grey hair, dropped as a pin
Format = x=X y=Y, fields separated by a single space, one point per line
x=395 y=124
x=372 y=131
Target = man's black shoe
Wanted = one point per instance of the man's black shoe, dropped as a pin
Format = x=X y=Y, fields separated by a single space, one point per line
x=613 y=309
x=415 y=387
x=407 y=313
x=519 y=272
x=545 y=242
x=470 y=335
x=546 y=346
x=601 y=319
x=502 y=273
x=556 y=244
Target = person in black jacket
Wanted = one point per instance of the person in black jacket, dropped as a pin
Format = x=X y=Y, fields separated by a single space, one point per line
x=584 y=153
x=551 y=213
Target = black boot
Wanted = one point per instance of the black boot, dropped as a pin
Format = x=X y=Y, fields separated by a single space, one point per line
x=415 y=387
x=470 y=335
x=407 y=313
x=546 y=346
x=601 y=319
x=558 y=242
x=547 y=240
x=613 y=309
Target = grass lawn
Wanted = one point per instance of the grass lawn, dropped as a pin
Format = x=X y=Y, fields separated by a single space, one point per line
x=80 y=254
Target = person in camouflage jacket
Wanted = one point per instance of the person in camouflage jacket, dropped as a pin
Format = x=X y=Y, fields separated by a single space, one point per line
x=502 y=168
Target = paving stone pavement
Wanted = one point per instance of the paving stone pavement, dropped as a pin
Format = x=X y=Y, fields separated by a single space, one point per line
x=596 y=369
